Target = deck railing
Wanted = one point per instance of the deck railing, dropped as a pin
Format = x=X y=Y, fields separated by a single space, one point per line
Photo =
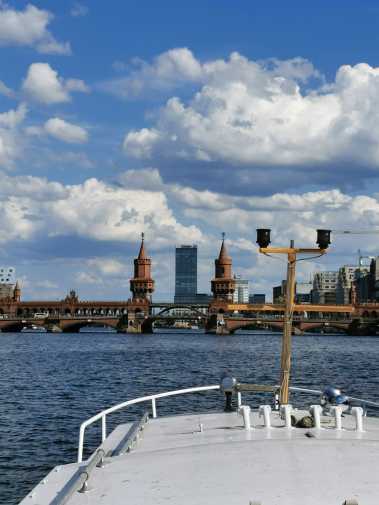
x=102 y=416
x=151 y=398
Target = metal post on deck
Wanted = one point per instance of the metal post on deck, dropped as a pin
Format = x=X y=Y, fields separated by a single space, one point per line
x=103 y=428
x=287 y=328
x=154 y=408
x=264 y=240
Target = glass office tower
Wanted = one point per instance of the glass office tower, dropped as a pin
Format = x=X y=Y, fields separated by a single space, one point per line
x=185 y=274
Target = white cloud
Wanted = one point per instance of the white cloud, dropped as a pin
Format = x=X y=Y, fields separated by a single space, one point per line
x=76 y=85
x=141 y=143
x=79 y=10
x=146 y=178
x=28 y=27
x=168 y=70
x=178 y=67
x=30 y=188
x=33 y=209
x=254 y=114
x=4 y=90
x=10 y=139
x=65 y=131
x=43 y=84
x=107 y=266
x=93 y=210
x=88 y=278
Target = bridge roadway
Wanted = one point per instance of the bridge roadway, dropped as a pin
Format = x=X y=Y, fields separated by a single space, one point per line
x=229 y=323
x=252 y=307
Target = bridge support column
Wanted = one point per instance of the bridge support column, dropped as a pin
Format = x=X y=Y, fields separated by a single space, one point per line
x=221 y=328
x=138 y=323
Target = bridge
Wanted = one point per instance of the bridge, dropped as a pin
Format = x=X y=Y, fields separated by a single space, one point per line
x=350 y=319
x=139 y=313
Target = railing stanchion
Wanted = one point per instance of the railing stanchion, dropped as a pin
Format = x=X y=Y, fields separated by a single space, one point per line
x=103 y=427
x=154 y=408
x=81 y=442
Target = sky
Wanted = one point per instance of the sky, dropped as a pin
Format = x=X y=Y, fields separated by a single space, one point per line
x=183 y=120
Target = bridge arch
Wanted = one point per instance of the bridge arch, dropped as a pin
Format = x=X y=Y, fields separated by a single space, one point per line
x=75 y=326
x=194 y=310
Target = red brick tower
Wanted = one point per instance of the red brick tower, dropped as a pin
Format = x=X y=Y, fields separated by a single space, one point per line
x=223 y=284
x=142 y=285
x=17 y=293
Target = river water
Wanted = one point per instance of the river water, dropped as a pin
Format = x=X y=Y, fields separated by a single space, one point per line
x=50 y=383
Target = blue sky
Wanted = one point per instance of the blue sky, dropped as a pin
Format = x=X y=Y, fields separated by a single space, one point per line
x=183 y=120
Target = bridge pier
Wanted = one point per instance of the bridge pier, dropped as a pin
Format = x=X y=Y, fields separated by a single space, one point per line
x=138 y=322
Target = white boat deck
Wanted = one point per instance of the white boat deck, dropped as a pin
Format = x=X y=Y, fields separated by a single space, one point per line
x=210 y=459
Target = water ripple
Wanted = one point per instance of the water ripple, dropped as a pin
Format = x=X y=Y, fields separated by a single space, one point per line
x=50 y=383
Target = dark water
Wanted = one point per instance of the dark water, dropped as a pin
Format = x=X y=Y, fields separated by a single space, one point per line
x=50 y=383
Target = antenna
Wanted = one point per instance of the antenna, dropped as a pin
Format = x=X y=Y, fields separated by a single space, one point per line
x=223 y=236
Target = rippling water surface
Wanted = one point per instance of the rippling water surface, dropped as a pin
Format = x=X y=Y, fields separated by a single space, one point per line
x=50 y=383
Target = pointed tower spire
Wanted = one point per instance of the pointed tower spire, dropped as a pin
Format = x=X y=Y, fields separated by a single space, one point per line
x=142 y=252
x=223 y=252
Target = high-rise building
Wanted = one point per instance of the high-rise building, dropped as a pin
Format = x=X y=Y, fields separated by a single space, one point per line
x=374 y=279
x=324 y=287
x=257 y=298
x=303 y=292
x=241 y=290
x=347 y=275
x=279 y=293
x=185 y=274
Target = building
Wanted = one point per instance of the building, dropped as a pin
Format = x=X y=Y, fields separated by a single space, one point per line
x=185 y=274
x=279 y=293
x=7 y=275
x=9 y=289
x=324 y=287
x=142 y=285
x=241 y=290
x=257 y=299
x=203 y=298
x=364 y=289
x=223 y=283
x=303 y=293
x=366 y=283
x=347 y=275
x=374 y=280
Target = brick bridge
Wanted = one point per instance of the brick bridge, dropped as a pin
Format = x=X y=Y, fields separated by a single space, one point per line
x=138 y=313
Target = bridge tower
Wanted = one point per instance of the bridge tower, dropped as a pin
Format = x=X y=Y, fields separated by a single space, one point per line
x=223 y=284
x=17 y=293
x=142 y=288
x=142 y=285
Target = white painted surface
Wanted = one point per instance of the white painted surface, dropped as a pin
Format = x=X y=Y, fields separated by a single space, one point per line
x=176 y=463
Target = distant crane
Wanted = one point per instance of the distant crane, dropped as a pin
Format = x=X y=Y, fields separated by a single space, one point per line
x=358 y=232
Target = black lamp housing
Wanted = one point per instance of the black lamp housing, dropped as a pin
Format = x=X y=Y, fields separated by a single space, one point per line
x=263 y=237
x=323 y=238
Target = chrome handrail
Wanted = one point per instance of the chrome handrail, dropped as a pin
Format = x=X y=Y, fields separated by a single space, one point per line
x=102 y=415
x=152 y=398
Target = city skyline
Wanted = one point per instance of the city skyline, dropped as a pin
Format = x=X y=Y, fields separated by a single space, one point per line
x=182 y=139
x=243 y=293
